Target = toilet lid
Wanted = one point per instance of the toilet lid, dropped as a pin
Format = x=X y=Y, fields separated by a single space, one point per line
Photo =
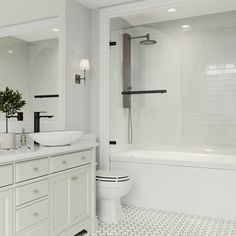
x=111 y=176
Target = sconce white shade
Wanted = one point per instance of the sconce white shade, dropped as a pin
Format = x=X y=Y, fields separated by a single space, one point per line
x=84 y=64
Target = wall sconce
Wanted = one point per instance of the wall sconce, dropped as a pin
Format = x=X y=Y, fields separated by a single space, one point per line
x=85 y=66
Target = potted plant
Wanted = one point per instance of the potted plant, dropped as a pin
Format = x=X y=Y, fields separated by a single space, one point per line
x=10 y=103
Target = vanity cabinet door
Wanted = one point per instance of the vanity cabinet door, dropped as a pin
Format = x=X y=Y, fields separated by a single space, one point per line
x=60 y=203
x=81 y=194
x=6 y=215
x=70 y=199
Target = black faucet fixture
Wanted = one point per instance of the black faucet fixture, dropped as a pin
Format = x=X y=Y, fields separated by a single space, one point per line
x=37 y=116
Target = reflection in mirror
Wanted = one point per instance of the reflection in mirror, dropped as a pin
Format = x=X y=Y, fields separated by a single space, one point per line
x=29 y=64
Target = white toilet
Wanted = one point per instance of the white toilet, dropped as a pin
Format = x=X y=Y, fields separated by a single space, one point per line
x=111 y=187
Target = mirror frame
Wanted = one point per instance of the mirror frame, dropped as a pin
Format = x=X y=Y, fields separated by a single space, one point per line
x=46 y=125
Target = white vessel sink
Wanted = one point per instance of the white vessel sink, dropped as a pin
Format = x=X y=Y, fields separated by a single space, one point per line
x=59 y=138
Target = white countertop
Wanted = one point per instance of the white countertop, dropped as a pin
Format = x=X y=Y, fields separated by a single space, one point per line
x=36 y=151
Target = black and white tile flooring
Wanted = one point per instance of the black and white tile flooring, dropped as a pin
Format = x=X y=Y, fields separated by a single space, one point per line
x=150 y=222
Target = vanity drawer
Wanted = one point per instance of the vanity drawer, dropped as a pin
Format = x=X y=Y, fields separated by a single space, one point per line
x=31 y=215
x=31 y=169
x=6 y=175
x=31 y=192
x=41 y=230
x=67 y=161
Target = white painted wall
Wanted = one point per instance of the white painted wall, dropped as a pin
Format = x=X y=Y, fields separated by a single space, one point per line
x=94 y=76
x=77 y=48
x=95 y=71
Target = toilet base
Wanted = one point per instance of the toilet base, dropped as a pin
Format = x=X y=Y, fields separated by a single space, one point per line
x=109 y=210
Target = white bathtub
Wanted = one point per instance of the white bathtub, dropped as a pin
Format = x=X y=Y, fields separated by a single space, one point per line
x=195 y=183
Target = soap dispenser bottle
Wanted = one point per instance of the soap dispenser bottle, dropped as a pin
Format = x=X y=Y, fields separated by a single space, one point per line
x=23 y=138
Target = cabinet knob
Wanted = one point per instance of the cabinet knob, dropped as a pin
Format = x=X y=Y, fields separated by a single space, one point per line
x=36 y=169
x=64 y=162
x=36 y=191
x=36 y=214
x=83 y=157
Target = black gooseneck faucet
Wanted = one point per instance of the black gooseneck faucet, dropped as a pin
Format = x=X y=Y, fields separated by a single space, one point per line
x=37 y=117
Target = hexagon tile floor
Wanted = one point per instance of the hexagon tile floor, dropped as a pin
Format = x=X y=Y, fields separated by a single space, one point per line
x=151 y=222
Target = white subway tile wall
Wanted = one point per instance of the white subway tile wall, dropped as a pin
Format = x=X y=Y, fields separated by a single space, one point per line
x=197 y=66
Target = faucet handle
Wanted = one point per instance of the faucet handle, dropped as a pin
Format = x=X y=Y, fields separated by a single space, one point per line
x=20 y=116
x=39 y=112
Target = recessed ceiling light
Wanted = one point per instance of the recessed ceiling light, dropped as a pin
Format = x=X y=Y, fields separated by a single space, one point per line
x=172 y=10
x=10 y=51
x=55 y=30
x=186 y=26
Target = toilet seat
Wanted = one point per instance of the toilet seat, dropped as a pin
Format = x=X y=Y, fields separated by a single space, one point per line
x=111 y=176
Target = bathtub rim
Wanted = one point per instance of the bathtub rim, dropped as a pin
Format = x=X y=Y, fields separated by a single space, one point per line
x=202 y=160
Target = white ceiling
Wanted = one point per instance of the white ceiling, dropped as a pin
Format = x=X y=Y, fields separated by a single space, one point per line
x=38 y=35
x=92 y=4
x=198 y=8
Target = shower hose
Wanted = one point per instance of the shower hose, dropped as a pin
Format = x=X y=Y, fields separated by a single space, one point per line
x=130 y=127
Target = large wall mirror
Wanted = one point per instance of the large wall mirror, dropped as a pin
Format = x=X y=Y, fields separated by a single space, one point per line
x=29 y=63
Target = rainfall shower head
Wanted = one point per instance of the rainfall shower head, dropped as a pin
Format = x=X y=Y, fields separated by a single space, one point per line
x=147 y=41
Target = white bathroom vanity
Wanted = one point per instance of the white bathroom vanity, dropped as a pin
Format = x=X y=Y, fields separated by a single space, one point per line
x=48 y=190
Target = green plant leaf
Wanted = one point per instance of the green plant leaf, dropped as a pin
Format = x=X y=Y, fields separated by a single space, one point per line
x=11 y=101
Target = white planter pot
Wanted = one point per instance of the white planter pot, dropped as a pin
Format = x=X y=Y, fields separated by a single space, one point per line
x=7 y=140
